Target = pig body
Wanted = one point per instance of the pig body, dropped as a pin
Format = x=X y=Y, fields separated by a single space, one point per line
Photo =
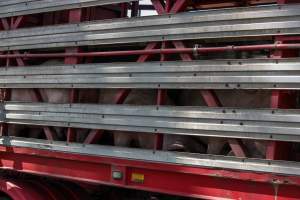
x=28 y=95
x=231 y=98
x=147 y=140
x=63 y=96
x=24 y=95
x=136 y=97
x=248 y=99
x=49 y=96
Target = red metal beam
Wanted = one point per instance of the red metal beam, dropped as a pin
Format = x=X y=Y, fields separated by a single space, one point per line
x=157 y=51
x=178 y=6
x=212 y=184
x=158 y=6
x=20 y=189
x=183 y=56
x=150 y=46
x=16 y=22
x=237 y=147
x=5 y=24
x=281 y=99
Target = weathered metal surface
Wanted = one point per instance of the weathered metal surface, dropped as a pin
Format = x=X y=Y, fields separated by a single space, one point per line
x=25 y=7
x=195 y=160
x=266 y=124
x=213 y=74
x=224 y=23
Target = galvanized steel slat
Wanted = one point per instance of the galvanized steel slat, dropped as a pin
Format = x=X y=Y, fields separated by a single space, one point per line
x=265 y=124
x=26 y=7
x=177 y=158
x=212 y=74
x=238 y=22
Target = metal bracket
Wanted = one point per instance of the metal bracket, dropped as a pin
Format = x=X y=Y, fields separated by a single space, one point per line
x=118 y=175
x=195 y=51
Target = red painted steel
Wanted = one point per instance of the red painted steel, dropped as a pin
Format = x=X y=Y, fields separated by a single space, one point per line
x=20 y=189
x=145 y=52
x=158 y=6
x=282 y=99
x=171 y=179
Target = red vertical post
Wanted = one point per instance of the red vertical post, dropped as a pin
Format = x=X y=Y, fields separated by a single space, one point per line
x=281 y=99
x=124 y=9
x=209 y=96
x=74 y=16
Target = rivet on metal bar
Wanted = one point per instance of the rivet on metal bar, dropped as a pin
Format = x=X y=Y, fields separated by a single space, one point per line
x=195 y=51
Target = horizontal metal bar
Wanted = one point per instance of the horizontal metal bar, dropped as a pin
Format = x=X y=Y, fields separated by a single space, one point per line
x=167 y=51
x=261 y=124
x=26 y=7
x=177 y=158
x=224 y=23
x=209 y=74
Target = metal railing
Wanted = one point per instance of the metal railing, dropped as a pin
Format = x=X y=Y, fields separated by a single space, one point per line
x=224 y=23
x=202 y=74
x=177 y=158
x=13 y=8
x=261 y=124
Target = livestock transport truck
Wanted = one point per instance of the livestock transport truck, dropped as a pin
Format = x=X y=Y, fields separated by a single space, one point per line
x=199 y=100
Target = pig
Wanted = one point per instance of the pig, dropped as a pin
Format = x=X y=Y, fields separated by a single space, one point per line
x=63 y=96
x=28 y=95
x=49 y=96
x=194 y=98
x=136 y=97
x=23 y=95
x=231 y=98
x=144 y=140
x=248 y=99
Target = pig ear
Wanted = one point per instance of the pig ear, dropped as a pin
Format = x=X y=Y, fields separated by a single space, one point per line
x=176 y=147
x=184 y=144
